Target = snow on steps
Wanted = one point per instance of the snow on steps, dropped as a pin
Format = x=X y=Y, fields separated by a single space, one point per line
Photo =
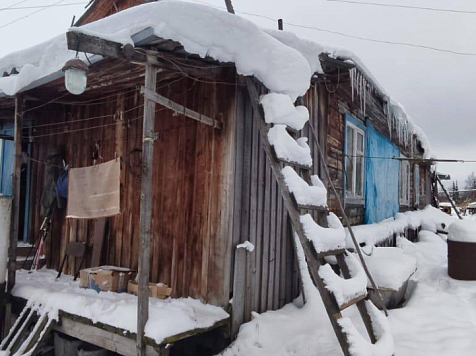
x=279 y=109
x=324 y=239
x=288 y=149
x=345 y=290
x=359 y=346
x=314 y=195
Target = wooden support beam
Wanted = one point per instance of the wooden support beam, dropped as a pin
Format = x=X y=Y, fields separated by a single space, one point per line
x=162 y=100
x=81 y=42
x=146 y=208
x=16 y=184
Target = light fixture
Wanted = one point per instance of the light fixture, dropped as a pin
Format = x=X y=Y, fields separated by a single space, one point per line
x=76 y=76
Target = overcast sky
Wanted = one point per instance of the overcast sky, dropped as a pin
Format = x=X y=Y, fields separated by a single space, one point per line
x=437 y=89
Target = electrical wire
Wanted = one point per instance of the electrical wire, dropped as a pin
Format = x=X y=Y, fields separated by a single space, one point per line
x=16 y=4
x=31 y=14
x=40 y=6
x=343 y=34
x=403 y=6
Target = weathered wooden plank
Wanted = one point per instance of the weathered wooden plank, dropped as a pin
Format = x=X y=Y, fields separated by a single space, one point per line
x=180 y=109
x=146 y=210
x=103 y=338
x=269 y=237
x=16 y=187
x=239 y=289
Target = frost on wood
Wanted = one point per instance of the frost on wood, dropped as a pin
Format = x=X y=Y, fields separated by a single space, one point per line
x=288 y=149
x=359 y=346
x=305 y=194
x=324 y=239
x=279 y=109
x=202 y=30
x=345 y=290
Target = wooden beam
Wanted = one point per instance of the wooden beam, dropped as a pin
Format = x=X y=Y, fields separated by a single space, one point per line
x=16 y=184
x=81 y=42
x=162 y=100
x=105 y=339
x=146 y=208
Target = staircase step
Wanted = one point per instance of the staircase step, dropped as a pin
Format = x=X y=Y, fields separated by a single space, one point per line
x=353 y=302
x=322 y=209
x=290 y=163
x=331 y=253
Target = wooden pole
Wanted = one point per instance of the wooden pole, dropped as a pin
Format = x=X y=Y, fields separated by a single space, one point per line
x=448 y=196
x=280 y=25
x=146 y=208
x=15 y=222
x=229 y=6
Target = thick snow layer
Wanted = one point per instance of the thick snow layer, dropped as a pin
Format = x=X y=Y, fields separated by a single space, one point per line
x=359 y=346
x=305 y=194
x=390 y=267
x=463 y=231
x=288 y=149
x=430 y=218
x=362 y=83
x=324 y=239
x=167 y=317
x=200 y=29
x=279 y=109
x=345 y=290
x=438 y=319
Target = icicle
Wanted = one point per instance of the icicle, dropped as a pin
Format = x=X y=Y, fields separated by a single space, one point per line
x=352 y=75
x=365 y=95
x=389 y=119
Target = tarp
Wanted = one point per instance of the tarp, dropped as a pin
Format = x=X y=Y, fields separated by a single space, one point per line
x=94 y=192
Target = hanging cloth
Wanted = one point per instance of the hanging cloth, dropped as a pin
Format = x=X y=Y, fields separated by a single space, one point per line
x=94 y=192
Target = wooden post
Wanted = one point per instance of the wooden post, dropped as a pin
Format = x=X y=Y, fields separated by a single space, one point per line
x=229 y=6
x=14 y=229
x=280 y=25
x=145 y=208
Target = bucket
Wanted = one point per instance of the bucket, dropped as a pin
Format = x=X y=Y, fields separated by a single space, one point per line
x=462 y=260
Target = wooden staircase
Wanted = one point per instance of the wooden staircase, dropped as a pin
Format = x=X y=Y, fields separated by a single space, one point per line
x=314 y=260
x=28 y=333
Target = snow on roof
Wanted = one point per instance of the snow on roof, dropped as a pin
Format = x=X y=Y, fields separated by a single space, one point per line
x=282 y=61
x=200 y=29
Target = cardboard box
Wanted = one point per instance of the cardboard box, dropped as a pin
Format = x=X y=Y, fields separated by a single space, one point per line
x=160 y=290
x=106 y=278
x=133 y=288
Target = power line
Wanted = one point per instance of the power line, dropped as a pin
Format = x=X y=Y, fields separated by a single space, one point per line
x=40 y=6
x=31 y=14
x=16 y=4
x=361 y=38
x=403 y=6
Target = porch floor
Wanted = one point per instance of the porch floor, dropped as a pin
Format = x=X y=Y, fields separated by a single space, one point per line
x=170 y=320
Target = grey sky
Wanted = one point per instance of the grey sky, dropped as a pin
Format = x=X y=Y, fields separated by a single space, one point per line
x=437 y=89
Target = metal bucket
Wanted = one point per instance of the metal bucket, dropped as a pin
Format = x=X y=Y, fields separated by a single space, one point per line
x=462 y=260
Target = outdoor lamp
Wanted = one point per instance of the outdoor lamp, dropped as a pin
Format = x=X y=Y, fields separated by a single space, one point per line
x=76 y=76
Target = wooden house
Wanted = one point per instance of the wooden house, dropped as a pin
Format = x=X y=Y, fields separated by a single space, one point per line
x=212 y=185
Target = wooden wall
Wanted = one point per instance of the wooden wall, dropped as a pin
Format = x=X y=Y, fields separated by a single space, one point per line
x=192 y=177
x=103 y=8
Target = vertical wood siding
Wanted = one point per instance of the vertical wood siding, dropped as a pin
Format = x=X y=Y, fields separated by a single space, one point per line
x=192 y=184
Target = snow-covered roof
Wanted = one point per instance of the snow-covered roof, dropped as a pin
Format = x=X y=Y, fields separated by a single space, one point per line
x=282 y=61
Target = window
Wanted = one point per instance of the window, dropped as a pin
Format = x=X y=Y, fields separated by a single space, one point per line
x=417 y=184
x=404 y=184
x=354 y=162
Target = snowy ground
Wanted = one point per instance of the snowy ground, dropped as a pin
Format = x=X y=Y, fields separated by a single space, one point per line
x=167 y=317
x=438 y=319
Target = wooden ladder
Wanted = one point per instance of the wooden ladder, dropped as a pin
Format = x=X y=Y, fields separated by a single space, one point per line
x=28 y=333
x=314 y=260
